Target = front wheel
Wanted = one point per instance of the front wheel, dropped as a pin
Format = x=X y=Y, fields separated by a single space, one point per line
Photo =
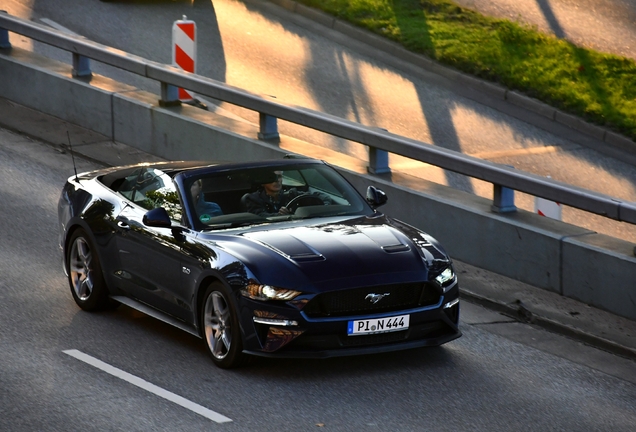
x=221 y=330
x=85 y=274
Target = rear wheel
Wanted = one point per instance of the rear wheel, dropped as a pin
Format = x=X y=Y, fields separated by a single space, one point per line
x=220 y=325
x=85 y=274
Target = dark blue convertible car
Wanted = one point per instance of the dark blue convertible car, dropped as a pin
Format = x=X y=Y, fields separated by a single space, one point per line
x=278 y=258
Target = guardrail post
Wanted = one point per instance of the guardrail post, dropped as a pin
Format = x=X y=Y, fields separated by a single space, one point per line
x=4 y=36
x=378 y=161
x=169 y=95
x=81 y=66
x=503 y=199
x=268 y=127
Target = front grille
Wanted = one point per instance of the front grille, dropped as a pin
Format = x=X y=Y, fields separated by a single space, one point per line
x=356 y=302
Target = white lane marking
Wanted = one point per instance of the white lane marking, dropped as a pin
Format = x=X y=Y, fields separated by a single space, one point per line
x=148 y=386
x=57 y=26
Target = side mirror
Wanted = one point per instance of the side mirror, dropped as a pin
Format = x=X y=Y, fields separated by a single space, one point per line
x=157 y=218
x=376 y=197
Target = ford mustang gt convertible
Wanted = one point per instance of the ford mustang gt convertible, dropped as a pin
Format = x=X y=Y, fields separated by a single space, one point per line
x=279 y=258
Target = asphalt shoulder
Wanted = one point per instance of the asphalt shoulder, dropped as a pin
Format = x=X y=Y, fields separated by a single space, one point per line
x=514 y=299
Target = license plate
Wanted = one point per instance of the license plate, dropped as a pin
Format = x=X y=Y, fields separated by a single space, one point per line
x=378 y=325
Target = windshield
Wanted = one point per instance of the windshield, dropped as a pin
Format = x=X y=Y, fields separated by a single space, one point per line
x=240 y=197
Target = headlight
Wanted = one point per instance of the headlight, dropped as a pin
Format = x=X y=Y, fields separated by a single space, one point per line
x=257 y=291
x=446 y=276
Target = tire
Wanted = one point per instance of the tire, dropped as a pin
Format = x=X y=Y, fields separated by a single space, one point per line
x=220 y=327
x=85 y=275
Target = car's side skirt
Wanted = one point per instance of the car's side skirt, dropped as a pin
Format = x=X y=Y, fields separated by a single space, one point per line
x=156 y=314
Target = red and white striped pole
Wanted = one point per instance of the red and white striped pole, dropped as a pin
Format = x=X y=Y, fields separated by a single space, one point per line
x=547 y=208
x=184 y=50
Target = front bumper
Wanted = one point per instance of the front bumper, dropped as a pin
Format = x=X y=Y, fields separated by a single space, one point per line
x=275 y=332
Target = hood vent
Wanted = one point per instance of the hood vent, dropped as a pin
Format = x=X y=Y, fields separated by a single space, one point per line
x=306 y=257
x=396 y=248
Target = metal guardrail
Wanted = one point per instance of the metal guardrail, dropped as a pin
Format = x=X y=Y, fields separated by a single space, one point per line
x=501 y=176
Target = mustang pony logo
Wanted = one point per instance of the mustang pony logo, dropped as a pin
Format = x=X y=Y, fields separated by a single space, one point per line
x=374 y=298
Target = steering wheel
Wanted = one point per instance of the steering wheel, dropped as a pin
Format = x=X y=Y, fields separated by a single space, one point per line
x=302 y=201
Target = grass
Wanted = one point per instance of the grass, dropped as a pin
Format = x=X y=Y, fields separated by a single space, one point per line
x=598 y=87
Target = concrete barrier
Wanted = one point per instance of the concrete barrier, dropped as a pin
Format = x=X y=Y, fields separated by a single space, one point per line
x=599 y=270
x=48 y=86
x=548 y=254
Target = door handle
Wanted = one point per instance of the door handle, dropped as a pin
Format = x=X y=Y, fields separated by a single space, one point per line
x=123 y=222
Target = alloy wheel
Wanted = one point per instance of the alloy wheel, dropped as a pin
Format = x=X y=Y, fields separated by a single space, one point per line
x=80 y=269
x=218 y=325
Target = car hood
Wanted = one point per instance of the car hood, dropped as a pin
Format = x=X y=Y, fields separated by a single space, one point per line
x=358 y=252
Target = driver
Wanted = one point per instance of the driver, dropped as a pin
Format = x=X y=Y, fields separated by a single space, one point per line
x=270 y=199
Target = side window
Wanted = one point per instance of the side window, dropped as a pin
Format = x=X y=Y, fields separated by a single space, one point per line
x=159 y=191
x=151 y=188
x=126 y=186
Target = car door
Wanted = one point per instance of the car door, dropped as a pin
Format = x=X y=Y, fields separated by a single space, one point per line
x=151 y=257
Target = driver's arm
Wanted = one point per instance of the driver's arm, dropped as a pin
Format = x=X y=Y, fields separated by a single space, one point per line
x=287 y=197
